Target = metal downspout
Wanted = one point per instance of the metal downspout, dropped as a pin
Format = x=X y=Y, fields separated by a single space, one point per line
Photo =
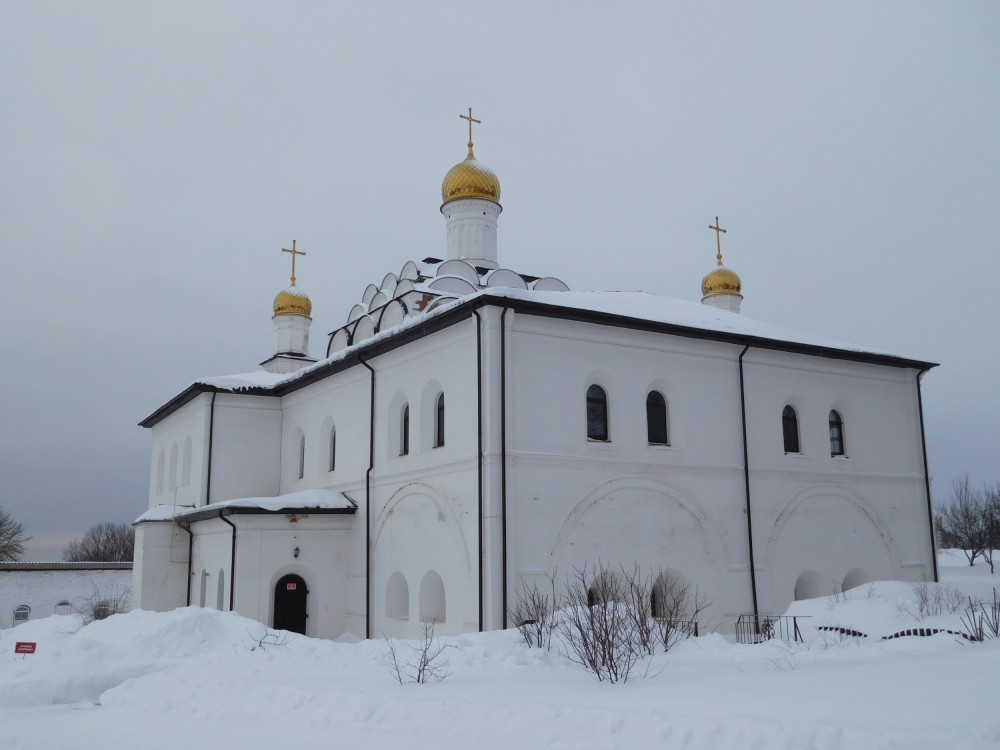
x=746 y=485
x=232 y=561
x=368 y=502
x=479 y=451
x=503 y=457
x=927 y=475
x=190 y=533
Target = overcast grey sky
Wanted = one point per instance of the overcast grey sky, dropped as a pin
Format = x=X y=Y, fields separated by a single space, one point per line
x=157 y=156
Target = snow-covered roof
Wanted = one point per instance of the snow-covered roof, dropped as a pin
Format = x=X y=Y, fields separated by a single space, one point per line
x=318 y=501
x=632 y=308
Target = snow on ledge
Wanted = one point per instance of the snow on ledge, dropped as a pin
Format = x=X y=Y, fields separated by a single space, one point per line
x=302 y=500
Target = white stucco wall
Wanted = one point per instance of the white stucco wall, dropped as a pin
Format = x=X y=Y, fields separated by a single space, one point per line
x=42 y=589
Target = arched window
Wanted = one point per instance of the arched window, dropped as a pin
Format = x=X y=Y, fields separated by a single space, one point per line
x=439 y=422
x=302 y=456
x=432 y=600
x=597 y=413
x=64 y=607
x=656 y=419
x=790 y=430
x=21 y=613
x=836 y=434
x=333 y=448
x=404 y=430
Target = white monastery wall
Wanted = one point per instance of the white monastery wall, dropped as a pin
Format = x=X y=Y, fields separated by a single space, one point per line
x=246 y=447
x=159 y=574
x=425 y=503
x=43 y=590
x=180 y=455
x=575 y=501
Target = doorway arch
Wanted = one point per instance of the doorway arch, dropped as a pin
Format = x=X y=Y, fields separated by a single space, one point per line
x=290 y=599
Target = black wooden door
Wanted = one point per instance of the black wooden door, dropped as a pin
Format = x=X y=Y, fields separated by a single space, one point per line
x=290 y=595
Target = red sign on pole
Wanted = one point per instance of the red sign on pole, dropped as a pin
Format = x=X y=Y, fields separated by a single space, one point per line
x=291 y=586
x=24 y=647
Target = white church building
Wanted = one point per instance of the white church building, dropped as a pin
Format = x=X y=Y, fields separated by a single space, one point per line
x=471 y=429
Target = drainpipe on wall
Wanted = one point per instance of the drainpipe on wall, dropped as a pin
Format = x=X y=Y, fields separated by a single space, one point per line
x=211 y=436
x=746 y=484
x=190 y=533
x=368 y=502
x=479 y=451
x=503 y=457
x=927 y=476
x=232 y=561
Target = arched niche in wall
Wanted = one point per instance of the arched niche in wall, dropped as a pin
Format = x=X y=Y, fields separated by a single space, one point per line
x=397 y=597
x=432 y=598
x=810 y=585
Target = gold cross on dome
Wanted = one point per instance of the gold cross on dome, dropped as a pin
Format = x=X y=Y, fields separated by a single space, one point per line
x=471 y=120
x=294 y=252
x=719 y=231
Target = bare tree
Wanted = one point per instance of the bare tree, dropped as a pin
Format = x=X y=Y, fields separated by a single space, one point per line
x=535 y=614
x=103 y=542
x=12 y=538
x=963 y=521
x=430 y=663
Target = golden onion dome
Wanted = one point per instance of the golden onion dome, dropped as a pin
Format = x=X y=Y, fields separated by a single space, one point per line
x=291 y=301
x=720 y=280
x=470 y=179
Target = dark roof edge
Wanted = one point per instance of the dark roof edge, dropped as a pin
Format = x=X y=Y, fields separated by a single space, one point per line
x=741 y=339
x=209 y=511
x=463 y=310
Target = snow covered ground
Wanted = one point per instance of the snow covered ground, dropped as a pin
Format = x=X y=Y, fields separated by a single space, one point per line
x=196 y=678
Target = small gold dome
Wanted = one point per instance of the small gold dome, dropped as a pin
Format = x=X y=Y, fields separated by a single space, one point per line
x=720 y=280
x=291 y=301
x=470 y=179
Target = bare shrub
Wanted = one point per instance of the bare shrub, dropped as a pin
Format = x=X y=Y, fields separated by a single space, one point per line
x=266 y=638
x=428 y=664
x=676 y=609
x=981 y=620
x=535 y=614
x=596 y=626
x=103 y=603
x=936 y=599
x=611 y=619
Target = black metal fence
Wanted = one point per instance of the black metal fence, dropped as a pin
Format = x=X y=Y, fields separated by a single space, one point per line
x=760 y=628
x=686 y=628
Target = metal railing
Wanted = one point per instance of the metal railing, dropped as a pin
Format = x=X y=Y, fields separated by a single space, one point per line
x=759 y=628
